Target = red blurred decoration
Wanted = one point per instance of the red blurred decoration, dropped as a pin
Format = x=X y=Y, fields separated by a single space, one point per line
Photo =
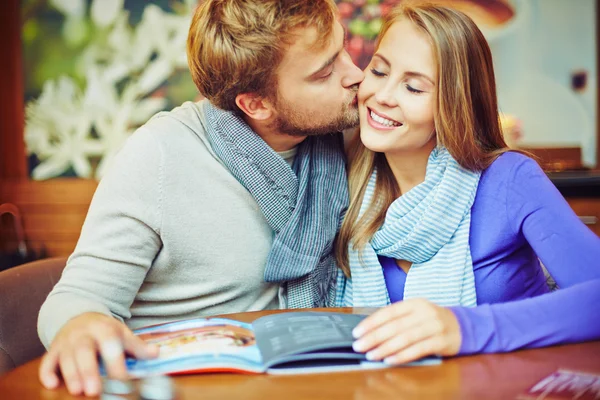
x=362 y=20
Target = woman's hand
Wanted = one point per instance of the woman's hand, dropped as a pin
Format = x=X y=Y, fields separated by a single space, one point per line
x=408 y=330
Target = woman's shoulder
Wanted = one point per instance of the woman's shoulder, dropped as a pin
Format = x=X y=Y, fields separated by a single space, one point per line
x=513 y=165
x=512 y=159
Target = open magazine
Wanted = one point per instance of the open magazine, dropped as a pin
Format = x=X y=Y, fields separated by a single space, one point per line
x=285 y=343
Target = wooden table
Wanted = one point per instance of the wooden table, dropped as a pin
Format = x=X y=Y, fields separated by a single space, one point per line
x=497 y=376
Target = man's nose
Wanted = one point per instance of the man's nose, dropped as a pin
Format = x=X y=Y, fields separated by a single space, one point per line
x=354 y=75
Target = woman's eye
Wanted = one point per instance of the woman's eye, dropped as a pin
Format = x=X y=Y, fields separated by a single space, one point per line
x=413 y=90
x=376 y=73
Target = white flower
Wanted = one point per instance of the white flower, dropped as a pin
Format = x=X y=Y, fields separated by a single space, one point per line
x=169 y=35
x=113 y=128
x=73 y=149
x=41 y=119
x=66 y=126
x=105 y=12
x=70 y=8
x=74 y=31
x=58 y=129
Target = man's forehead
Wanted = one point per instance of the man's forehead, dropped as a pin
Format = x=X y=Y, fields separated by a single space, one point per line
x=307 y=53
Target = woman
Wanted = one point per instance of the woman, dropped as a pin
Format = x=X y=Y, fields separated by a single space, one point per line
x=445 y=217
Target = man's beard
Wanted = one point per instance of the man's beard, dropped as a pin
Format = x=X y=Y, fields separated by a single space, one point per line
x=294 y=123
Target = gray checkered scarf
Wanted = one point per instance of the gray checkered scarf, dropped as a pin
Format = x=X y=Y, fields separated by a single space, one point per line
x=304 y=205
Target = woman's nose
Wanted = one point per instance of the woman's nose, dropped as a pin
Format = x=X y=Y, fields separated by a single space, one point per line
x=385 y=96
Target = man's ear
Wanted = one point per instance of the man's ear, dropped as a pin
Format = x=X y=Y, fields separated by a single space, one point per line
x=254 y=106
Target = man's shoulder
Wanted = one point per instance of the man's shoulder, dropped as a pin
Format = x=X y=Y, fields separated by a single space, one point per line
x=183 y=127
x=189 y=117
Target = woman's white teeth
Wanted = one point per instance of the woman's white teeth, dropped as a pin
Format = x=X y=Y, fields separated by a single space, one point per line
x=383 y=121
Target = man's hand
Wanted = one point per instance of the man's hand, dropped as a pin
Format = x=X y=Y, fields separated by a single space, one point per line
x=408 y=330
x=75 y=349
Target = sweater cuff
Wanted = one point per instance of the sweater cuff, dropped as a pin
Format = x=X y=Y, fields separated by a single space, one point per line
x=468 y=344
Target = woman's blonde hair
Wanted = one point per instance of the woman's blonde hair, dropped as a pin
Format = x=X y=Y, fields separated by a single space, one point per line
x=466 y=122
x=236 y=46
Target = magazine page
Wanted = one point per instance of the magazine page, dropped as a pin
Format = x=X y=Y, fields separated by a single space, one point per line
x=314 y=342
x=300 y=336
x=328 y=365
x=199 y=345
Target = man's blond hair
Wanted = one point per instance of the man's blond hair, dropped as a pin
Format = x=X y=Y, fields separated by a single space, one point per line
x=236 y=46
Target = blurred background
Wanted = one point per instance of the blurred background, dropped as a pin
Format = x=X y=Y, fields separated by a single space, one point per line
x=95 y=70
x=79 y=76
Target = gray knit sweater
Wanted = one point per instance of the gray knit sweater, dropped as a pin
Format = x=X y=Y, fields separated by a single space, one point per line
x=170 y=234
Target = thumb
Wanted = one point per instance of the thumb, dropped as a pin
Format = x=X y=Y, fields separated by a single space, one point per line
x=137 y=347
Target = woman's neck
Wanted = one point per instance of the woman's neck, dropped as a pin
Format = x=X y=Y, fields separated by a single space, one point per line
x=409 y=167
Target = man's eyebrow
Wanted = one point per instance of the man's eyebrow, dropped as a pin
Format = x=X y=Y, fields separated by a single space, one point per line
x=326 y=64
x=407 y=73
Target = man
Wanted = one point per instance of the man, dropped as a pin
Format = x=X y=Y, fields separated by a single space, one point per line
x=219 y=206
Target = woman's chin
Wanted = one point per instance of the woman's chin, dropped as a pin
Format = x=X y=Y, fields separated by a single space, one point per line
x=373 y=143
x=375 y=147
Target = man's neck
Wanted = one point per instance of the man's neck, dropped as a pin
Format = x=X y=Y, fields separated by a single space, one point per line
x=282 y=142
x=276 y=140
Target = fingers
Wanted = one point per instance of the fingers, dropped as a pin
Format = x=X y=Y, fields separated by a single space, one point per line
x=382 y=316
x=137 y=347
x=395 y=335
x=407 y=331
x=79 y=366
x=388 y=331
x=401 y=341
x=75 y=349
x=88 y=371
x=113 y=355
x=70 y=373
x=48 y=370
x=429 y=346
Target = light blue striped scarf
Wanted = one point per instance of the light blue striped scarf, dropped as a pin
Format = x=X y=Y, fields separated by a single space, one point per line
x=303 y=206
x=428 y=226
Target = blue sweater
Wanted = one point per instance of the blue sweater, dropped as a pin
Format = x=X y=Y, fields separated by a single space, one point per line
x=518 y=215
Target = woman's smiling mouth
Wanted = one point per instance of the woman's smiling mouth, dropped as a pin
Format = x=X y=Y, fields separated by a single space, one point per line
x=378 y=121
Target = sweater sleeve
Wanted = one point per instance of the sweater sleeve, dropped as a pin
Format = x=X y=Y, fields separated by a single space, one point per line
x=567 y=248
x=571 y=253
x=119 y=240
x=565 y=316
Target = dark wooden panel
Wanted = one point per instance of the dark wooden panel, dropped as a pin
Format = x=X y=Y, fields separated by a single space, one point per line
x=68 y=191
x=53 y=212
x=597 y=85
x=588 y=209
x=557 y=159
x=12 y=159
